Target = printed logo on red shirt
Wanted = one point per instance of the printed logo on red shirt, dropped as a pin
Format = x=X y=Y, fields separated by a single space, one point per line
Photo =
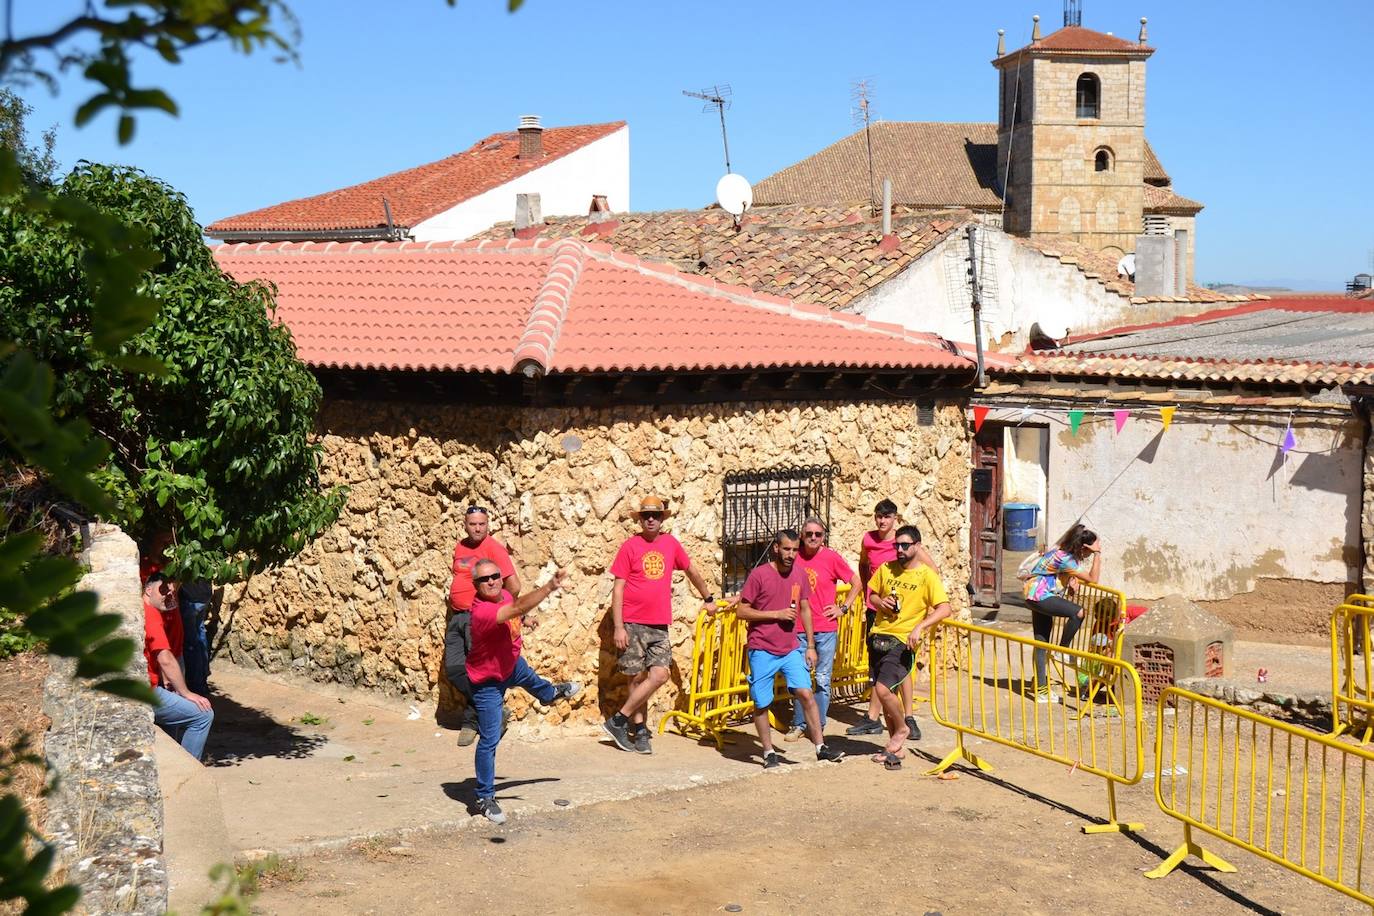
x=811 y=577
x=654 y=565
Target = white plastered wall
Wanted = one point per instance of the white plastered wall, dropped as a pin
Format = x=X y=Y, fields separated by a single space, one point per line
x=1031 y=287
x=1211 y=506
x=565 y=187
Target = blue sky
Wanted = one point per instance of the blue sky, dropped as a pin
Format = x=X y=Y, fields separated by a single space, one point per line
x=1261 y=110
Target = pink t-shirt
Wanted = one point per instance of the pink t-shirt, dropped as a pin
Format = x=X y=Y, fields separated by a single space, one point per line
x=877 y=552
x=647 y=568
x=495 y=643
x=822 y=572
x=768 y=590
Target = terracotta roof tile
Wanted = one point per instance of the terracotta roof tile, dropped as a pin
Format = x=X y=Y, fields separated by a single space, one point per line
x=557 y=306
x=1077 y=38
x=1164 y=200
x=824 y=255
x=932 y=164
x=419 y=193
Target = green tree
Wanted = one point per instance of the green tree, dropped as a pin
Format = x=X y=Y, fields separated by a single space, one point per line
x=37 y=162
x=215 y=446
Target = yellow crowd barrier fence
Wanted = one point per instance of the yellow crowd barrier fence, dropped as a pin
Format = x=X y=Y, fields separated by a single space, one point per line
x=992 y=697
x=1297 y=798
x=1352 y=669
x=1101 y=633
x=849 y=679
x=717 y=685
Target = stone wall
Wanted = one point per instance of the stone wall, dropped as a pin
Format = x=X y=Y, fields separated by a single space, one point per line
x=365 y=604
x=105 y=818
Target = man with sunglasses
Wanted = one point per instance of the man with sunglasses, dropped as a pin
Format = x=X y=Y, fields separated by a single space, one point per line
x=494 y=665
x=477 y=546
x=907 y=599
x=875 y=550
x=641 y=610
x=823 y=568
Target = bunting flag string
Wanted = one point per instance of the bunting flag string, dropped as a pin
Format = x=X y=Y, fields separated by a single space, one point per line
x=1121 y=417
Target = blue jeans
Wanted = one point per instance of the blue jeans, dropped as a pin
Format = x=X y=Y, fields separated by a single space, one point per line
x=826 y=644
x=195 y=650
x=183 y=720
x=488 y=697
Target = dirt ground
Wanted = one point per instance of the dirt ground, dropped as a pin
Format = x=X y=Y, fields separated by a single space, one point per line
x=839 y=839
x=1281 y=608
x=21 y=713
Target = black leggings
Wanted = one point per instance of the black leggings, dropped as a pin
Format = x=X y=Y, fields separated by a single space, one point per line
x=1043 y=613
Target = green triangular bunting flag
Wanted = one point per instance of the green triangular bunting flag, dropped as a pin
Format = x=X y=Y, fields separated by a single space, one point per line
x=1075 y=418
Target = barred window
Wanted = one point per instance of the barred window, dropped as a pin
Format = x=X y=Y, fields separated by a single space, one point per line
x=759 y=503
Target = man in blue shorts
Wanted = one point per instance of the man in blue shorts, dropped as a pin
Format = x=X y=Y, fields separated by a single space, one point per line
x=772 y=602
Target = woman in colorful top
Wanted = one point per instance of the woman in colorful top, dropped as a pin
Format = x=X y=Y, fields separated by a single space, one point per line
x=1078 y=555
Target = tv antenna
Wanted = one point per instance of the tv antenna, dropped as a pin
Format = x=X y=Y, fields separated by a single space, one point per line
x=861 y=94
x=717 y=97
x=1073 y=13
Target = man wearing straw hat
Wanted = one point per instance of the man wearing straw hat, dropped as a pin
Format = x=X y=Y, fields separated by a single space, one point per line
x=642 y=609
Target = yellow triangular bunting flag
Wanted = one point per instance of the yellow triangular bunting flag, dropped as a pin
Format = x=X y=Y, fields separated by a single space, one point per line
x=1167 y=415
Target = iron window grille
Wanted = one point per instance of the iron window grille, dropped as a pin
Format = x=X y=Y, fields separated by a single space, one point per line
x=758 y=504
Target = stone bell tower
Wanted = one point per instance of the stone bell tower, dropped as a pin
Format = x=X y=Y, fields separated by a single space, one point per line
x=1071 y=135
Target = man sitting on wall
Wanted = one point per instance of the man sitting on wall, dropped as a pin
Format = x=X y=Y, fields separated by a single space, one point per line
x=476 y=547
x=184 y=715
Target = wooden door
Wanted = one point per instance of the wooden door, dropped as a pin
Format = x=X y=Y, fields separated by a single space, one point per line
x=985 y=516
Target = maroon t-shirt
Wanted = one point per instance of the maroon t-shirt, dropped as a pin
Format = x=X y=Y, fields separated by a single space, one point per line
x=767 y=590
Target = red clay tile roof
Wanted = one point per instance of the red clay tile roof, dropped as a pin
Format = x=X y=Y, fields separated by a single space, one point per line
x=1322 y=337
x=823 y=255
x=563 y=306
x=932 y=164
x=415 y=194
x=1164 y=200
x=1072 y=39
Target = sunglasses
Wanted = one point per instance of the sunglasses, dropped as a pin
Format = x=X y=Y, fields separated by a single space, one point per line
x=904 y=545
x=651 y=515
x=473 y=509
x=813 y=534
x=494 y=577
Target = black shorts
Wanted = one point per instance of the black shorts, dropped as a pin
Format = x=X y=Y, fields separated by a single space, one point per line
x=889 y=660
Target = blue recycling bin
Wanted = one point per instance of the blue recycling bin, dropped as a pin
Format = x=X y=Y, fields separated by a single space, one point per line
x=1019 y=524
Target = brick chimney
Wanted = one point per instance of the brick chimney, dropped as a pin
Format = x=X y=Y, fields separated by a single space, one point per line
x=531 y=137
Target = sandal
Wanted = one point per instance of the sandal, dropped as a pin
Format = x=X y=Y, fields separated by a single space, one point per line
x=889 y=760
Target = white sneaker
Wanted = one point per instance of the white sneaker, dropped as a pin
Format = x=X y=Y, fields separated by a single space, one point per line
x=1045 y=698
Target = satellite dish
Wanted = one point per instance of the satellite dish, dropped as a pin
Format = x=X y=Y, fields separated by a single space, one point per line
x=1126 y=267
x=734 y=194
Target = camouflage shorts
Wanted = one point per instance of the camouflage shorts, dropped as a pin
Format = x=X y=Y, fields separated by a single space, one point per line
x=649 y=648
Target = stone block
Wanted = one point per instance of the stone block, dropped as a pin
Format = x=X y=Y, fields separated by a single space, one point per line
x=1175 y=640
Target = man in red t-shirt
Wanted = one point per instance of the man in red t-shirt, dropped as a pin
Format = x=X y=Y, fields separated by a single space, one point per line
x=823 y=568
x=478 y=545
x=184 y=715
x=642 y=609
x=494 y=666
x=773 y=601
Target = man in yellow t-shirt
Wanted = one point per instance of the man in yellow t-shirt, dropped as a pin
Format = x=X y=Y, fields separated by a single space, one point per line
x=907 y=599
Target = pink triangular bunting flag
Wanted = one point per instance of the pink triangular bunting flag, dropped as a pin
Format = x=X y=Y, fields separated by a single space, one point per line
x=1121 y=417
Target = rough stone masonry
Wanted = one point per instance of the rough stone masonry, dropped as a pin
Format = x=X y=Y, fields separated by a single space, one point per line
x=365 y=604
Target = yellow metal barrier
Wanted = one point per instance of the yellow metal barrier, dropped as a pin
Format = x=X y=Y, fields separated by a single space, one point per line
x=1294 y=797
x=1101 y=633
x=1352 y=670
x=849 y=680
x=717 y=686
x=993 y=697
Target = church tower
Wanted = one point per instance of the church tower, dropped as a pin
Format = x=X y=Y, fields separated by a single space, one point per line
x=1071 y=153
